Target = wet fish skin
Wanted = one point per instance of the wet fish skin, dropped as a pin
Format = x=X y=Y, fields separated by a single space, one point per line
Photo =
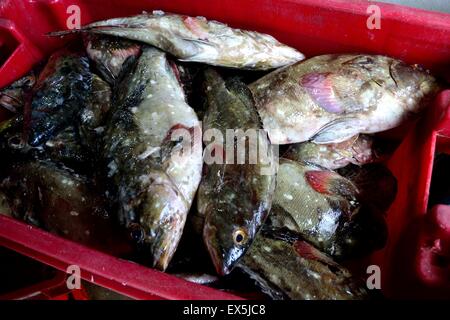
x=63 y=202
x=324 y=208
x=13 y=96
x=199 y=278
x=11 y=144
x=298 y=271
x=376 y=184
x=66 y=148
x=4 y=206
x=94 y=115
x=156 y=179
x=359 y=150
x=233 y=198
x=77 y=142
x=59 y=95
x=196 y=39
x=330 y=98
x=112 y=56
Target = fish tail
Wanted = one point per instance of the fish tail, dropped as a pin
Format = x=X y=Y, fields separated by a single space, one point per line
x=66 y=32
x=88 y=28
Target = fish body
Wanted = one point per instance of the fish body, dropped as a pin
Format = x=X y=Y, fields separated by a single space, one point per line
x=376 y=184
x=112 y=56
x=324 y=208
x=156 y=173
x=234 y=197
x=93 y=116
x=331 y=98
x=4 y=206
x=298 y=271
x=77 y=141
x=13 y=97
x=66 y=148
x=196 y=39
x=63 y=202
x=58 y=95
x=359 y=150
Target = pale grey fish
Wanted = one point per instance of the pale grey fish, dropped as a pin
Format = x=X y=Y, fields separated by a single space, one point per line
x=156 y=172
x=196 y=39
x=330 y=98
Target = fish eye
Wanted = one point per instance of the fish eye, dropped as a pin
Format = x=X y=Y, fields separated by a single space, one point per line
x=240 y=236
x=15 y=142
x=136 y=232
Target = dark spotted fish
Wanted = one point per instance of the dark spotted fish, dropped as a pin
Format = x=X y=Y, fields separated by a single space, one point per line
x=376 y=184
x=154 y=156
x=112 y=56
x=13 y=97
x=298 y=271
x=77 y=141
x=325 y=209
x=63 y=202
x=234 y=196
x=93 y=116
x=58 y=96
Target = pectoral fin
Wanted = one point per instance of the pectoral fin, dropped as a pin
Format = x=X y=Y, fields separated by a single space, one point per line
x=337 y=131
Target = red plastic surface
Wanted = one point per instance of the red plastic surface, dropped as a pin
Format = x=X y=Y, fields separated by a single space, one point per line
x=125 y=277
x=433 y=257
x=314 y=27
x=53 y=289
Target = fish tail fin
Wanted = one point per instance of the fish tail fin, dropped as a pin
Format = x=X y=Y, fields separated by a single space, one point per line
x=92 y=28
x=66 y=32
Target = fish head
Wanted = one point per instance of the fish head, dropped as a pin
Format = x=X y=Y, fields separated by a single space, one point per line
x=158 y=217
x=112 y=56
x=228 y=234
x=416 y=84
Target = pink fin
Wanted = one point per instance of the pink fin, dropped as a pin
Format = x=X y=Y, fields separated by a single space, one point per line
x=321 y=181
x=319 y=87
x=307 y=251
x=193 y=25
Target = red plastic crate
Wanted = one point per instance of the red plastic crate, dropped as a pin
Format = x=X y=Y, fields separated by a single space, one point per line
x=314 y=27
x=53 y=289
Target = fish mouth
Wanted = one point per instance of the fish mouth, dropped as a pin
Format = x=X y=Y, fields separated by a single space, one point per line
x=217 y=256
x=223 y=258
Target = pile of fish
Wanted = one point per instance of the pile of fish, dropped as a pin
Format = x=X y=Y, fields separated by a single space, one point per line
x=118 y=144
